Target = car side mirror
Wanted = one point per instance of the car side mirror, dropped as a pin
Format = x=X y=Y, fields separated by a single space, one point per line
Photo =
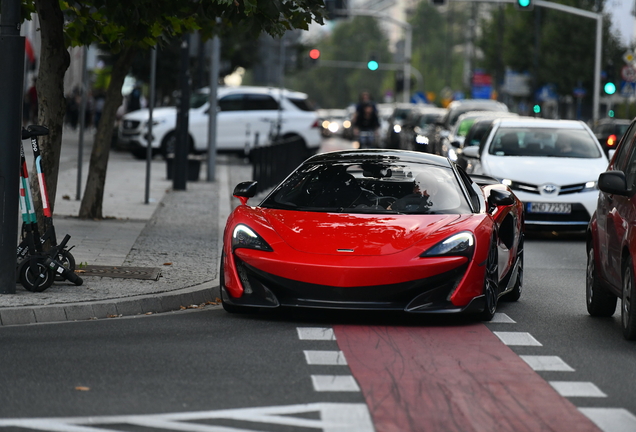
x=613 y=182
x=499 y=197
x=245 y=190
x=456 y=144
x=471 y=152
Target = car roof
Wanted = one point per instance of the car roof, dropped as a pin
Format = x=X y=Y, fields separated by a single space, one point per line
x=225 y=90
x=380 y=155
x=475 y=102
x=539 y=123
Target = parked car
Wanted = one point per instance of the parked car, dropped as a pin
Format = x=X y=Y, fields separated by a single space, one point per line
x=609 y=132
x=611 y=239
x=378 y=230
x=247 y=116
x=457 y=108
x=551 y=165
x=419 y=126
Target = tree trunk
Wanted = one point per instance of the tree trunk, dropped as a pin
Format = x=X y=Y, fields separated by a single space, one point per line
x=91 y=207
x=54 y=61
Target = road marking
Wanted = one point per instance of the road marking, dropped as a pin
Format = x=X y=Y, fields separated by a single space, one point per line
x=546 y=363
x=517 y=338
x=315 y=333
x=577 y=389
x=336 y=358
x=611 y=419
x=335 y=383
x=502 y=318
x=333 y=417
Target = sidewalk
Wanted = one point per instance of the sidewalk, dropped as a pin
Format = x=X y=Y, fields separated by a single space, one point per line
x=178 y=232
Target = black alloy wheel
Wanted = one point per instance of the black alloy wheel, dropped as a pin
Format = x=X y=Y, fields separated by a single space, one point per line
x=491 y=283
x=628 y=315
x=600 y=302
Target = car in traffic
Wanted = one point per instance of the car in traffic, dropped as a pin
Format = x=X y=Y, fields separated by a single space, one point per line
x=455 y=109
x=611 y=240
x=246 y=117
x=609 y=132
x=400 y=112
x=334 y=122
x=551 y=165
x=419 y=126
x=375 y=229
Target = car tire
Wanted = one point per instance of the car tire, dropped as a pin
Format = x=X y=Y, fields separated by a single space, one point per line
x=491 y=283
x=168 y=145
x=230 y=308
x=600 y=302
x=628 y=314
x=515 y=293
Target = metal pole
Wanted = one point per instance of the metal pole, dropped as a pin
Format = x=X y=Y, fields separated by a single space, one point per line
x=11 y=84
x=151 y=106
x=183 y=110
x=408 y=38
x=597 y=69
x=82 y=125
x=215 y=58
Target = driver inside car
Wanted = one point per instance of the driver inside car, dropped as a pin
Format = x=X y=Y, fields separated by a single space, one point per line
x=425 y=188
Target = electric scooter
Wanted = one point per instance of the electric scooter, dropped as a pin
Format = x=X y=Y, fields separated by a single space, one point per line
x=38 y=269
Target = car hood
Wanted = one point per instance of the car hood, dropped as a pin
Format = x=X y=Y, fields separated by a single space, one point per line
x=157 y=113
x=356 y=234
x=539 y=170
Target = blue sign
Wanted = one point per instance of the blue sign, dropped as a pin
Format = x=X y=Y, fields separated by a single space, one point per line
x=419 y=98
x=482 y=92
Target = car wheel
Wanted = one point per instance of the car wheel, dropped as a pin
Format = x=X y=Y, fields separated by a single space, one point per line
x=491 y=283
x=515 y=293
x=226 y=306
x=168 y=145
x=600 y=302
x=628 y=315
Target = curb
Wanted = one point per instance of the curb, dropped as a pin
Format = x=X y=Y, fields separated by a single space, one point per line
x=130 y=306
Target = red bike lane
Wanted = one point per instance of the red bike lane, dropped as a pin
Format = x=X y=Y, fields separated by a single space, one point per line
x=451 y=379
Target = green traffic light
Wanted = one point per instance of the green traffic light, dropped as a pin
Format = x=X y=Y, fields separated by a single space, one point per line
x=373 y=65
x=610 y=113
x=610 y=88
x=523 y=3
x=536 y=109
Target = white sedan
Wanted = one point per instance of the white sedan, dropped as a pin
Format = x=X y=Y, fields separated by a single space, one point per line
x=551 y=165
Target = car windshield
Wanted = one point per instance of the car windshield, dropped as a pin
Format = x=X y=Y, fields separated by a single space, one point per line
x=370 y=187
x=428 y=119
x=544 y=142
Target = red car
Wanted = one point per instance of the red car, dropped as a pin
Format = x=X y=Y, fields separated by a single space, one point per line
x=611 y=239
x=375 y=230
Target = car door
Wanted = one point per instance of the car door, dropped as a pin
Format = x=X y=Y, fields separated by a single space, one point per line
x=615 y=213
x=262 y=116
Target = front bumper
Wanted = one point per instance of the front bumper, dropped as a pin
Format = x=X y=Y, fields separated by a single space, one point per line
x=429 y=295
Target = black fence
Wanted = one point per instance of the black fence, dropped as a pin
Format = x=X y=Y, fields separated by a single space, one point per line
x=272 y=163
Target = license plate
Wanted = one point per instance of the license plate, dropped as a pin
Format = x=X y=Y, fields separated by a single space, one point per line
x=561 y=208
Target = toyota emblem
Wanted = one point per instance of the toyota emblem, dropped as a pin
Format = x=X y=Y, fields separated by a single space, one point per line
x=549 y=189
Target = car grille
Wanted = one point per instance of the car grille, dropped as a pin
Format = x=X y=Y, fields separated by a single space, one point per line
x=131 y=124
x=433 y=291
x=534 y=189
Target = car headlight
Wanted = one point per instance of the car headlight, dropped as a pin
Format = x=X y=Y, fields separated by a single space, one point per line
x=397 y=129
x=460 y=244
x=244 y=237
x=590 y=186
x=421 y=139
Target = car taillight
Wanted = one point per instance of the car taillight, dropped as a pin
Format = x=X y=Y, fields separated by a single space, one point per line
x=611 y=140
x=316 y=124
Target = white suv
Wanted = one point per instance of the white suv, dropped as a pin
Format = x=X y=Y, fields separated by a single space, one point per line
x=246 y=117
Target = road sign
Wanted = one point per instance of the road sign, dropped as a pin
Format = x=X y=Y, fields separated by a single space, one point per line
x=628 y=73
x=629 y=57
x=628 y=90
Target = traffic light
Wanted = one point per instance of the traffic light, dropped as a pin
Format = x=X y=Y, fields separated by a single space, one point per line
x=373 y=64
x=314 y=55
x=438 y=2
x=525 y=5
x=609 y=88
x=536 y=109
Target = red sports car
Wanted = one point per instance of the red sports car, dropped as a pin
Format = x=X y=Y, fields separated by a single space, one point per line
x=375 y=230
